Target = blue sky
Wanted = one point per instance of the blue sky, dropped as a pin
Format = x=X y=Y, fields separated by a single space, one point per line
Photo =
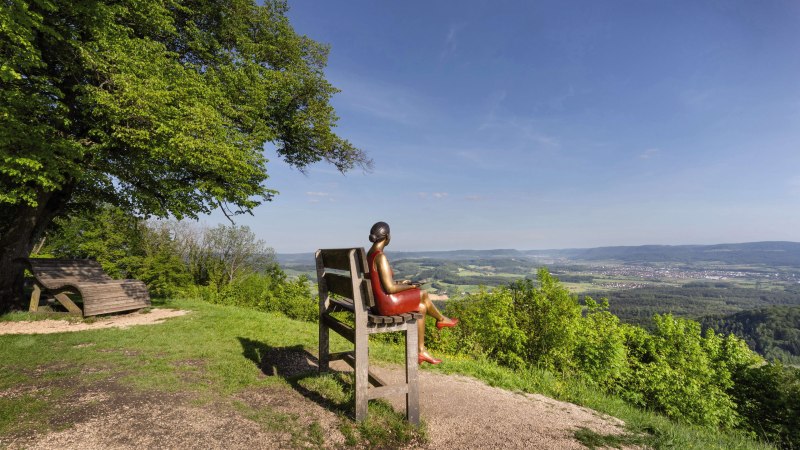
x=551 y=124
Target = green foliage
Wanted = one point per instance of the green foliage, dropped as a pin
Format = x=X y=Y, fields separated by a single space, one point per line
x=125 y=246
x=549 y=316
x=768 y=398
x=683 y=373
x=675 y=369
x=269 y=291
x=223 y=265
x=488 y=327
x=161 y=106
x=600 y=353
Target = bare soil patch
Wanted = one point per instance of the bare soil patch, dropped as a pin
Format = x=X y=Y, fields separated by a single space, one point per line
x=64 y=326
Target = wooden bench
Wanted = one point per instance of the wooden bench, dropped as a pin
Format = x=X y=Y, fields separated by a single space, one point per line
x=100 y=293
x=344 y=272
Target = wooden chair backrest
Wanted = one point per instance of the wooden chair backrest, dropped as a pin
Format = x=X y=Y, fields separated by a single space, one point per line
x=74 y=270
x=344 y=272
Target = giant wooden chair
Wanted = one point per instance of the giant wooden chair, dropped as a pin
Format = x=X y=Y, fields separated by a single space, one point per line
x=343 y=278
x=100 y=293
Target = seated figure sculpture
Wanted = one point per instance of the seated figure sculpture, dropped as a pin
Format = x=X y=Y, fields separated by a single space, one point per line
x=392 y=298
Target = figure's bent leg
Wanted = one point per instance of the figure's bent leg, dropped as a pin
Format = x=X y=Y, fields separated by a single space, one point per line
x=421 y=327
x=433 y=311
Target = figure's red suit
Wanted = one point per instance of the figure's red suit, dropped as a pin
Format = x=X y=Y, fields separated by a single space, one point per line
x=391 y=304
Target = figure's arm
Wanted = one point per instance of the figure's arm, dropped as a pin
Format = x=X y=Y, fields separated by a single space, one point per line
x=385 y=274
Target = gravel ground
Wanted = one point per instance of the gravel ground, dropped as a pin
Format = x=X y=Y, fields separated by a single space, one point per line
x=462 y=412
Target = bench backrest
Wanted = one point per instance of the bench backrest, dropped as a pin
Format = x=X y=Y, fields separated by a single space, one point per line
x=62 y=270
x=344 y=272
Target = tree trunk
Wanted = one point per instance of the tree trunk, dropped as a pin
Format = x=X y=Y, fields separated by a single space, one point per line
x=21 y=228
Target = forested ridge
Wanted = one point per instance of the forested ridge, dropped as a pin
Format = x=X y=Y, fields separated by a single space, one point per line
x=773 y=331
x=694 y=300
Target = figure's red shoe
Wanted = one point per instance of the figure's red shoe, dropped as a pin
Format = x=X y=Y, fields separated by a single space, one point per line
x=426 y=357
x=446 y=323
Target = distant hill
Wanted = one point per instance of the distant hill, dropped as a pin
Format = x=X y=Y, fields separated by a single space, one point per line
x=774 y=253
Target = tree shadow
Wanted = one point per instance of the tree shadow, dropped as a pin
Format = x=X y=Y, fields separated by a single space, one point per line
x=297 y=366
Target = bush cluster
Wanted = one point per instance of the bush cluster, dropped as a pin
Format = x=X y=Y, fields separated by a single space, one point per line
x=223 y=265
x=689 y=375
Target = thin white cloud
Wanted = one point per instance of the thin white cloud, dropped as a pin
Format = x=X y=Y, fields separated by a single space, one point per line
x=318 y=196
x=649 y=153
x=434 y=195
x=385 y=101
x=451 y=40
x=475 y=198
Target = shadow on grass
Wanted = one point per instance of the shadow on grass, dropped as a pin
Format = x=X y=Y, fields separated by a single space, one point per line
x=299 y=368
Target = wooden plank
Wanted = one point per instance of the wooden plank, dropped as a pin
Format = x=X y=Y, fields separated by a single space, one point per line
x=113 y=310
x=343 y=355
x=342 y=304
x=345 y=331
x=35 y=296
x=387 y=328
x=385 y=391
x=350 y=359
x=373 y=318
x=69 y=304
x=336 y=258
x=339 y=285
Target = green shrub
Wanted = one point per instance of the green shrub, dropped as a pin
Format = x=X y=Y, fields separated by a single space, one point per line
x=768 y=398
x=682 y=373
x=600 y=353
x=269 y=291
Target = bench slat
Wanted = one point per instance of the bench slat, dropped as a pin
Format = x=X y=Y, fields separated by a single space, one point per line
x=346 y=331
x=339 y=285
x=338 y=258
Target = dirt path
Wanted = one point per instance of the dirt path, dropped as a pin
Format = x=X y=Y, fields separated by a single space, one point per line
x=61 y=326
x=460 y=412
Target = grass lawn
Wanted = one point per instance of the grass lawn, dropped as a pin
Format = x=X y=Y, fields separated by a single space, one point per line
x=217 y=355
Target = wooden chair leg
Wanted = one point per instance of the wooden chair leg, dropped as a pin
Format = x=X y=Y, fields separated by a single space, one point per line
x=324 y=346
x=361 y=374
x=412 y=373
x=69 y=304
x=35 y=296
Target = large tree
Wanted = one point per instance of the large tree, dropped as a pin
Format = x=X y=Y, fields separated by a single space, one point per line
x=162 y=107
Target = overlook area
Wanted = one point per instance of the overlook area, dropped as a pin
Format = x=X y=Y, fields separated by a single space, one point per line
x=574 y=221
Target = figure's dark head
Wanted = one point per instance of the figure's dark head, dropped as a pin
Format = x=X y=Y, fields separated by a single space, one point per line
x=378 y=231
